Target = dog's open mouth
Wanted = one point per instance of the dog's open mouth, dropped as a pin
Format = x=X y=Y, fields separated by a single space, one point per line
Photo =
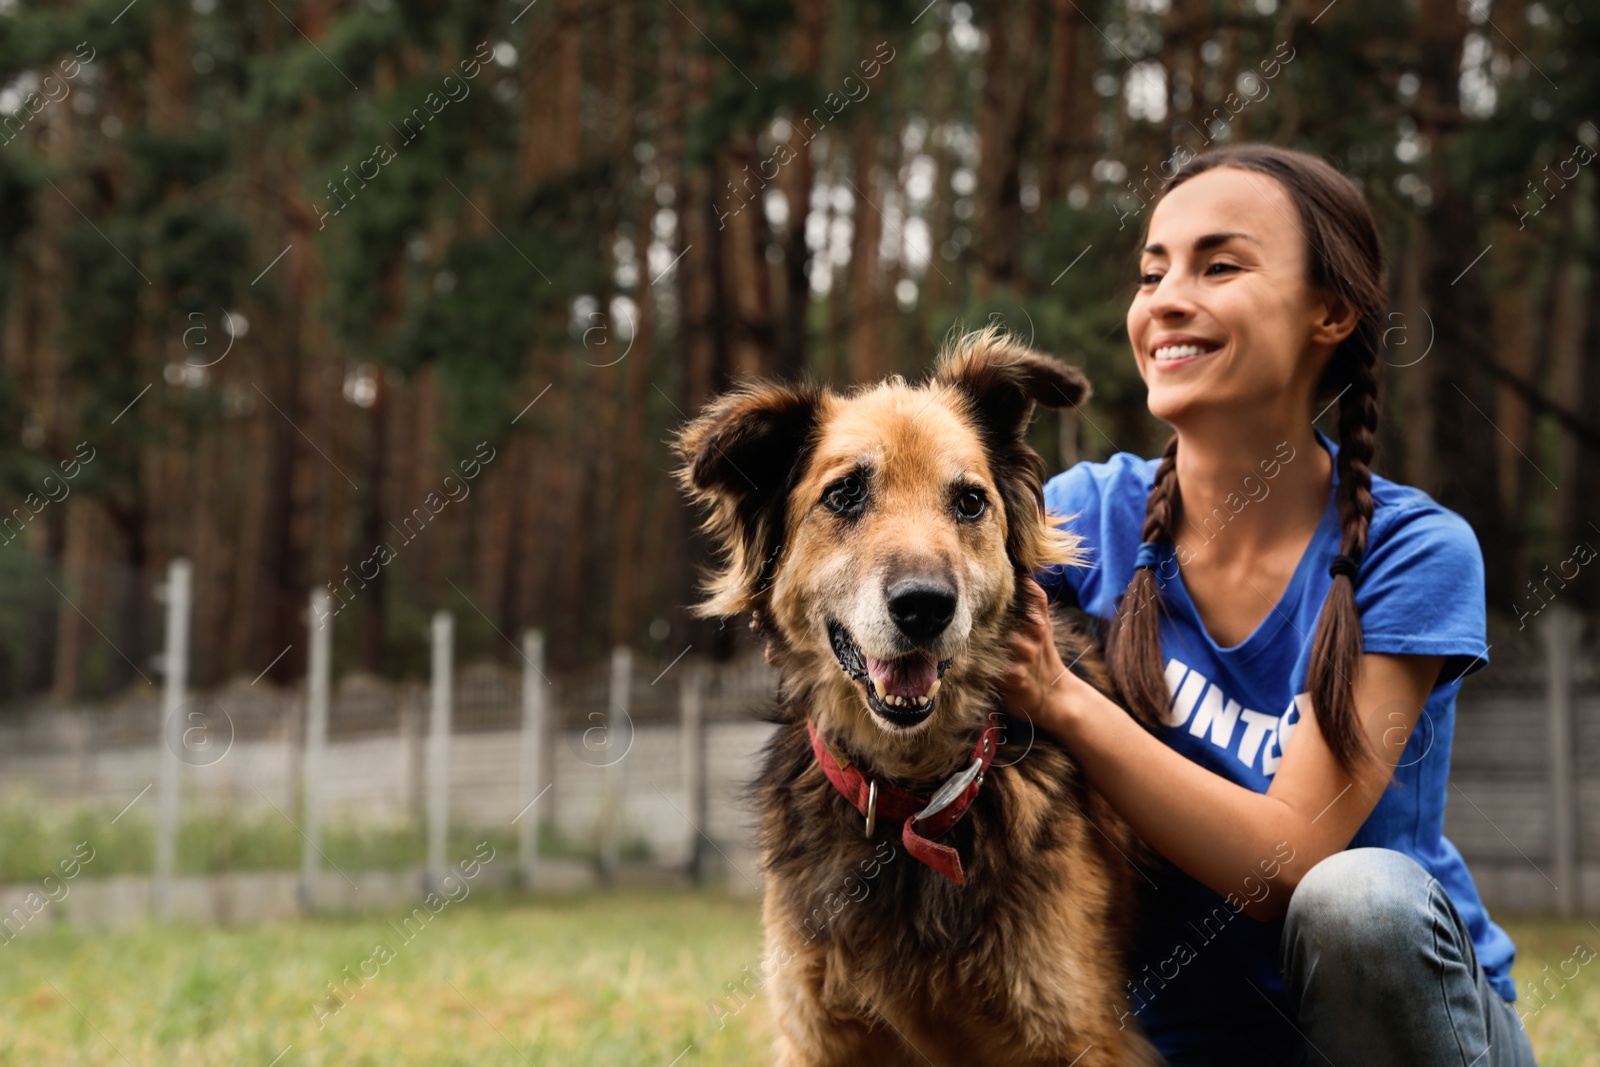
x=902 y=690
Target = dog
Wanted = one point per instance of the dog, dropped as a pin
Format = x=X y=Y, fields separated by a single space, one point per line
x=879 y=536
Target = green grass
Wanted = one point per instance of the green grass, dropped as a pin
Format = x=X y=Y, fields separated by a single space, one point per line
x=1562 y=1014
x=34 y=841
x=619 y=978
x=624 y=977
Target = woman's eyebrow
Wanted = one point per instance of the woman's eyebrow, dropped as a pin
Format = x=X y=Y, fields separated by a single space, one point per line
x=1212 y=240
x=1201 y=244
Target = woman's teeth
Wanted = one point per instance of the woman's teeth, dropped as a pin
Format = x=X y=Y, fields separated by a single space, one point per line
x=1178 y=352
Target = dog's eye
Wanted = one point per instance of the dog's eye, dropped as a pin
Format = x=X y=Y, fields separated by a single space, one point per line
x=846 y=495
x=971 y=503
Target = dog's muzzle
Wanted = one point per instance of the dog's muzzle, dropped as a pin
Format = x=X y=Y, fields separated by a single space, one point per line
x=901 y=691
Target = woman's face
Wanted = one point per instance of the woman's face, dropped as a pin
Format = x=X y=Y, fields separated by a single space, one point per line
x=1223 y=317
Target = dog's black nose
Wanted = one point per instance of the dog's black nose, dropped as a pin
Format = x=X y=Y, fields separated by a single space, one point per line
x=921 y=609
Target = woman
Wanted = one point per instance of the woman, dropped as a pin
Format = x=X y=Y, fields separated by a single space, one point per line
x=1300 y=627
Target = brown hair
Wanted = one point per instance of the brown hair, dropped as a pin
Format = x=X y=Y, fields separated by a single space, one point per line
x=1344 y=260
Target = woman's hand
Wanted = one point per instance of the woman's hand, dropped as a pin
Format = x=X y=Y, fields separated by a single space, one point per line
x=1031 y=683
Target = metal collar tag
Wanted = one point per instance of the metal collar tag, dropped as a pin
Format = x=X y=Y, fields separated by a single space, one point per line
x=951 y=789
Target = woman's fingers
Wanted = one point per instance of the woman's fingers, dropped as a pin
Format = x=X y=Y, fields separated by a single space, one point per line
x=1038 y=601
x=1038 y=611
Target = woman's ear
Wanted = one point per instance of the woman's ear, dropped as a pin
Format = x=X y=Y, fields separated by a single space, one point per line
x=738 y=460
x=1339 y=320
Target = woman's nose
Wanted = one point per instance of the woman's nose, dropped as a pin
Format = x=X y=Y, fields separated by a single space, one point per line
x=1171 y=298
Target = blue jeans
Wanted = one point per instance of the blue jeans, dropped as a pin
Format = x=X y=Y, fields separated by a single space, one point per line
x=1380 y=971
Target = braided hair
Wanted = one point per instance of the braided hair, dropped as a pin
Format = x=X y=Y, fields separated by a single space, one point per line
x=1345 y=261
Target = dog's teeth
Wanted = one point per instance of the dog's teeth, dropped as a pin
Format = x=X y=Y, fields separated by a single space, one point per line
x=883 y=690
x=934 y=688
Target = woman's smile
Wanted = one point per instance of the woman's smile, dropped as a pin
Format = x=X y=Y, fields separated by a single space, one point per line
x=1172 y=351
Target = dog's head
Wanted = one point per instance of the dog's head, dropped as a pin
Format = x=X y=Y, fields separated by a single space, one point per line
x=884 y=530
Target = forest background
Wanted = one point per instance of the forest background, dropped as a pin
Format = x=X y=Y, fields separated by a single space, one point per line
x=282 y=283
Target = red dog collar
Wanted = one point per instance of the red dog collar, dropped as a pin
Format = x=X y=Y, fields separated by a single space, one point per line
x=923 y=816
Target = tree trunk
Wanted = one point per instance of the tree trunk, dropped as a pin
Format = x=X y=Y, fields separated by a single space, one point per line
x=1453 y=287
x=870 y=357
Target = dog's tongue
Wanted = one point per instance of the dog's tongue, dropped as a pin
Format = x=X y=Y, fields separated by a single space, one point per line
x=908 y=676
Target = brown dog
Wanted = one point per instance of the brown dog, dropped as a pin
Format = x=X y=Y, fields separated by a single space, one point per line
x=880 y=537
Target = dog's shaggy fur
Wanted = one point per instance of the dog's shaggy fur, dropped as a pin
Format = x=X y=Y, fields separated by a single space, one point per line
x=1024 y=963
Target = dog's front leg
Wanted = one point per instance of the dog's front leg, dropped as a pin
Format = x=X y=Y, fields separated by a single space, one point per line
x=819 y=1023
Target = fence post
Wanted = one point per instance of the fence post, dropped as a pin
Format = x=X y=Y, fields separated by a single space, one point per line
x=611 y=785
x=533 y=727
x=693 y=695
x=321 y=633
x=412 y=759
x=439 y=751
x=1560 y=632
x=175 y=671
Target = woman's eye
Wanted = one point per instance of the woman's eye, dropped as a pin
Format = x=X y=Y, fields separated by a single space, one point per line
x=1149 y=279
x=846 y=495
x=971 y=503
x=1222 y=267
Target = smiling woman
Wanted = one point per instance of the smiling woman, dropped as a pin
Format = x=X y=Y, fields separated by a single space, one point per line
x=1334 y=615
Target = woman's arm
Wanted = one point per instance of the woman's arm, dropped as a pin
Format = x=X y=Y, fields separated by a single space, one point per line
x=1218 y=832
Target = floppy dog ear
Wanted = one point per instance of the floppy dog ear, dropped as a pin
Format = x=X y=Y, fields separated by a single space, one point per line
x=1002 y=379
x=999 y=380
x=739 y=459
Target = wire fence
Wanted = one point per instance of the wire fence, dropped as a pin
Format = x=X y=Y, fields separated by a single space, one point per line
x=572 y=775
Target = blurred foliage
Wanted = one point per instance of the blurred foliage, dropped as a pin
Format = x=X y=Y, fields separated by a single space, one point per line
x=444 y=217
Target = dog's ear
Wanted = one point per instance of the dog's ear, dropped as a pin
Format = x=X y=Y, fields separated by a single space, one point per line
x=1002 y=379
x=739 y=459
x=999 y=380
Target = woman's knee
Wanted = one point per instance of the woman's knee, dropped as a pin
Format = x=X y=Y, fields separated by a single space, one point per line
x=1359 y=900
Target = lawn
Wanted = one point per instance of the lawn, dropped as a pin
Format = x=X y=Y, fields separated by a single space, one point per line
x=616 y=978
x=623 y=978
x=1560 y=961
x=34 y=840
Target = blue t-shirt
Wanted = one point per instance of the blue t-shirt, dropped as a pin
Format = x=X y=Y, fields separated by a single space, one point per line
x=1420 y=590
